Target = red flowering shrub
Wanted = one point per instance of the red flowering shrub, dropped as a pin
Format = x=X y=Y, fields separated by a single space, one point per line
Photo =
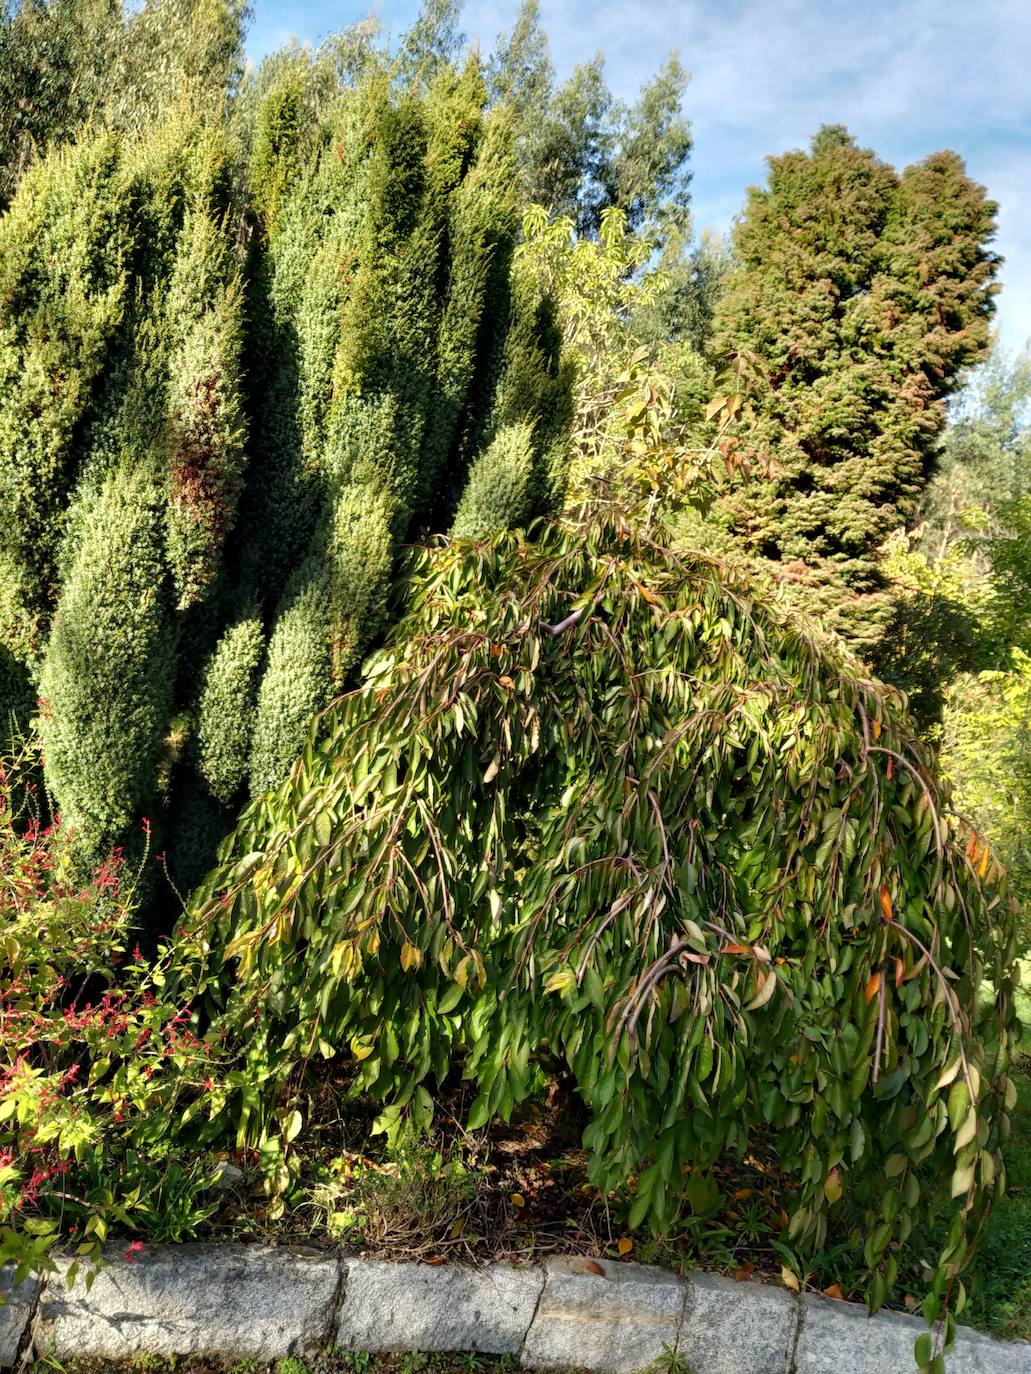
x=94 y=1063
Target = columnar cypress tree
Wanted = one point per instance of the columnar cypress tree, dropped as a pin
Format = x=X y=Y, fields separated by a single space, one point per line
x=377 y=343
x=862 y=294
x=64 y=250
x=203 y=314
x=403 y=349
x=122 y=434
x=227 y=707
x=107 y=679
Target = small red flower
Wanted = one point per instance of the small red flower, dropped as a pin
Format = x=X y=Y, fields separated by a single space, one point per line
x=131 y=1251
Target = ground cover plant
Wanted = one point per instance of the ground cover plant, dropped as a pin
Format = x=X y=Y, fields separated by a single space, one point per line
x=428 y=820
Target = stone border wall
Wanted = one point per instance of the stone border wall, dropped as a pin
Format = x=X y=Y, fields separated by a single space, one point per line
x=239 y=1301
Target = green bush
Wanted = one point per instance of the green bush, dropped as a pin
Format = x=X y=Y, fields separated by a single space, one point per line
x=108 y=672
x=986 y=751
x=596 y=810
x=296 y=680
x=496 y=495
x=228 y=702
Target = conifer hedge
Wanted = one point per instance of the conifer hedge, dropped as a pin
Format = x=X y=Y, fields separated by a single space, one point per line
x=234 y=377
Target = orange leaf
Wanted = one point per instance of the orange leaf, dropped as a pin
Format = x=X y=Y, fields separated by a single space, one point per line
x=982 y=867
x=875 y=729
x=741 y=1193
x=972 y=846
x=886 y=907
x=736 y=949
x=506 y=681
x=745 y=1272
x=625 y=1245
x=593 y=1268
x=890 y=769
x=900 y=972
x=434 y=1260
x=833 y=1291
x=873 y=987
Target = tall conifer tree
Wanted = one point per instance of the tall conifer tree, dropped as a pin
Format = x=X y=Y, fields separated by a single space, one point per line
x=862 y=295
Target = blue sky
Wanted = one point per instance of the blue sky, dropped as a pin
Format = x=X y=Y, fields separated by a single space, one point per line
x=908 y=77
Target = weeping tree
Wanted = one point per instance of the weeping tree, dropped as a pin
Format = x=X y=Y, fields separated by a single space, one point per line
x=595 y=808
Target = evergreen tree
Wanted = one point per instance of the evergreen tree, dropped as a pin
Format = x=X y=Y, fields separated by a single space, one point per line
x=74 y=214
x=107 y=678
x=581 y=151
x=254 y=435
x=403 y=343
x=227 y=708
x=862 y=295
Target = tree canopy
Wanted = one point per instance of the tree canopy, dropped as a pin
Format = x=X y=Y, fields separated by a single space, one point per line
x=861 y=295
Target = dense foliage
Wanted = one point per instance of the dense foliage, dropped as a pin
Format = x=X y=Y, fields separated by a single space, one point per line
x=595 y=808
x=183 y=597
x=94 y=1066
x=600 y=809
x=861 y=294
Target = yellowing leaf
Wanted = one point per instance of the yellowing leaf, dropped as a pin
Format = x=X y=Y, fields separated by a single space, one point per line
x=834 y=1291
x=766 y=985
x=886 y=906
x=561 y=981
x=832 y=1186
x=788 y=1278
x=411 y=956
x=967 y=1131
x=625 y=1245
x=873 y=987
x=962 y=1179
x=949 y=1074
x=518 y=1200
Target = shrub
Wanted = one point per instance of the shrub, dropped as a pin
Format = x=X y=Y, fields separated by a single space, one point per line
x=496 y=495
x=94 y=1064
x=596 y=808
x=107 y=677
x=227 y=708
x=986 y=751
